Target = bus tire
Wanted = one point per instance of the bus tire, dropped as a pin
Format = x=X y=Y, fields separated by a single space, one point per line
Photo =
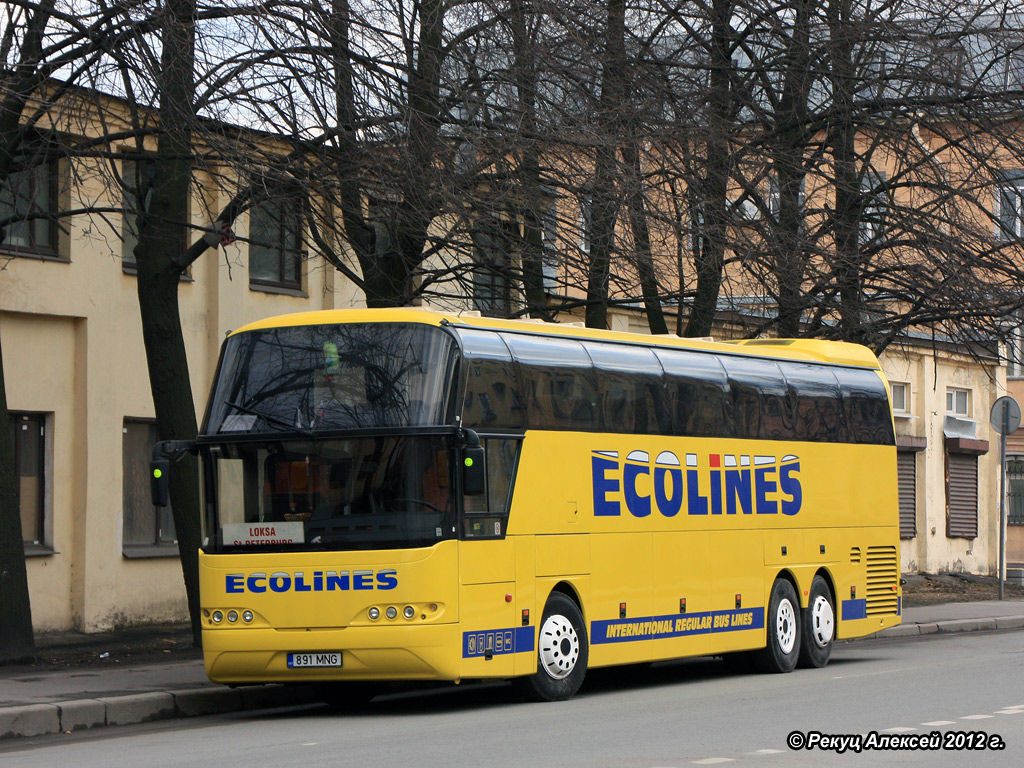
x=562 y=653
x=782 y=648
x=819 y=626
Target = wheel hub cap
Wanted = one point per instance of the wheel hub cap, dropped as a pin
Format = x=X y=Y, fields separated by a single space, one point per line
x=559 y=647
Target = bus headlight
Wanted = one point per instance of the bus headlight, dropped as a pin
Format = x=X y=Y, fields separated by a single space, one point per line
x=391 y=612
x=409 y=612
x=217 y=617
x=246 y=616
x=374 y=613
x=232 y=616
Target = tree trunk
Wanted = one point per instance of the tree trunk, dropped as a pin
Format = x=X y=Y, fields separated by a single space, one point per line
x=17 y=642
x=161 y=260
x=713 y=189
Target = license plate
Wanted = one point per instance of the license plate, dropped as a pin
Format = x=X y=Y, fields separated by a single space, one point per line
x=323 y=659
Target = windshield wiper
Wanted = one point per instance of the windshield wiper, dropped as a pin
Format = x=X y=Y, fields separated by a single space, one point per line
x=269 y=418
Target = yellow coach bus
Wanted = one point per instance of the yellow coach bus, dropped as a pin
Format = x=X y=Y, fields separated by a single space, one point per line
x=407 y=495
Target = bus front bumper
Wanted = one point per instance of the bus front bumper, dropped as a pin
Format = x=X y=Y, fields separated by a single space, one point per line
x=259 y=655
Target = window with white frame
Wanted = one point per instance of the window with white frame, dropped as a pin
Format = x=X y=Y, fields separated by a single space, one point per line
x=549 y=238
x=876 y=206
x=1015 y=348
x=1009 y=206
x=900 y=392
x=958 y=402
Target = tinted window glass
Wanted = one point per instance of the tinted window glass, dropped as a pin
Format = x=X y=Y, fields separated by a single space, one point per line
x=557 y=381
x=866 y=405
x=819 y=402
x=758 y=397
x=493 y=400
x=630 y=389
x=697 y=392
x=324 y=377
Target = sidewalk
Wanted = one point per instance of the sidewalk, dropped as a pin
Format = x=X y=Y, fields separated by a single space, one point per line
x=36 y=702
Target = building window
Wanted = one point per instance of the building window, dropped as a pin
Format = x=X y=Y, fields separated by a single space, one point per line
x=876 y=206
x=1015 y=491
x=146 y=529
x=28 y=208
x=1009 y=206
x=131 y=184
x=900 y=401
x=494 y=241
x=275 y=241
x=549 y=239
x=28 y=434
x=958 y=402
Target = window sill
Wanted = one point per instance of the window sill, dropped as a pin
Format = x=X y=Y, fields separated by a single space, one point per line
x=37 y=255
x=131 y=269
x=278 y=289
x=39 y=550
x=149 y=551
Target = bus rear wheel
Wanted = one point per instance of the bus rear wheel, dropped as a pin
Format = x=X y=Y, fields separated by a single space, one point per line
x=782 y=649
x=819 y=626
x=562 y=653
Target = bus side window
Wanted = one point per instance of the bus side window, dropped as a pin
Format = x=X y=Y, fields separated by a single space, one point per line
x=697 y=391
x=819 y=402
x=487 y=513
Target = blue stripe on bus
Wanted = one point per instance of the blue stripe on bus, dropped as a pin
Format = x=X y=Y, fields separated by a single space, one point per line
x=675 y=625
x=854 y=609
x=497 y=641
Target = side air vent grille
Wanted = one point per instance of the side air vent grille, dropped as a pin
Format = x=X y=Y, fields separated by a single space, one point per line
x=883 y=565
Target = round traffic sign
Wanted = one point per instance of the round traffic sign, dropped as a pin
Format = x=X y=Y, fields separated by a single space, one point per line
x=1005 y=415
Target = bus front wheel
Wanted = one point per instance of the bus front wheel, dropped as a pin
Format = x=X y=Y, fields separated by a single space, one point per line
x=819 y=625
x=562 y=653
x=782 y=650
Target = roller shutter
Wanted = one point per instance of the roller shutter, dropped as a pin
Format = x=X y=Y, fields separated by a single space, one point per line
x=962 y=496
x=906 y=470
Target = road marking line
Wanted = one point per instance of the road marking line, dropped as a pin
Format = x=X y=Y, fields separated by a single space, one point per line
x=899 y=729
x=940 y=722
x=976 y=717
x=767 y=752
x=715 y=760
x=1010 y=712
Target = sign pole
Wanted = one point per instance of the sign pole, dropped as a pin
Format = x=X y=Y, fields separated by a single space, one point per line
x=1005 y=418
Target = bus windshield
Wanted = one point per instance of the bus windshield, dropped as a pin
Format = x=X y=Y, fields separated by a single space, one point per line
x=321 y=378
x=367 y=492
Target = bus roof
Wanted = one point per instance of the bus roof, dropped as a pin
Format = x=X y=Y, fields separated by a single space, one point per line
x=810 y=350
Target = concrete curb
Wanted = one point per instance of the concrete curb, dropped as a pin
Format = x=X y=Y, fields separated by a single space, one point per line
x=67 y=716
x=951 y=626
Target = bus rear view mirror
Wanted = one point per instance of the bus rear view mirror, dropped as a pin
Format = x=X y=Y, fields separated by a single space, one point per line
x=473 y=470
x=160 y=467
x=158 y=485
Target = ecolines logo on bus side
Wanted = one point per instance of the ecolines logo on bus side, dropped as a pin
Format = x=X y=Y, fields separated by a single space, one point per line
x=321 y=581
x=765 y=485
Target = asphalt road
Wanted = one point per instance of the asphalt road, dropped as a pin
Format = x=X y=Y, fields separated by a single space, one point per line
x=680 y=714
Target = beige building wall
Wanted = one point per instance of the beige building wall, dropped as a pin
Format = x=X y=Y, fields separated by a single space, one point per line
x=72 y=345
x=927 y=430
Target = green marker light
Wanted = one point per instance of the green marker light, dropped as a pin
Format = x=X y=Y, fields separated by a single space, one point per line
x=468 y=461
x=157 y=473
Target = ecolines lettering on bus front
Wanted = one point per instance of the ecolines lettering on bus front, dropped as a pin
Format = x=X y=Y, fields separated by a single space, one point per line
x=320 y=581
x=720 y=484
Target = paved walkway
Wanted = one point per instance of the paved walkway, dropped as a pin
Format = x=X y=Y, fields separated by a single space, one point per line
x=37 y=702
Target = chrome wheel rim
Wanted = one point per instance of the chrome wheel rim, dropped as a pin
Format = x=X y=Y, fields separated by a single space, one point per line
x=559 y=647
